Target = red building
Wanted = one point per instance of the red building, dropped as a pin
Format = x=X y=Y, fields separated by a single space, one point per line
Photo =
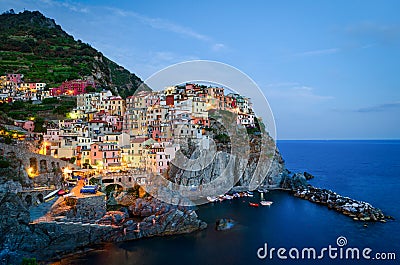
x=72 y=88
x=170 y=100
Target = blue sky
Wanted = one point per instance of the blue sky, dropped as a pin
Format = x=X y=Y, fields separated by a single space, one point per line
x=329 y=69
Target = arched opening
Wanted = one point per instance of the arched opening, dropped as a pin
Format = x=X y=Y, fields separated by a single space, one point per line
x=33 y=165
x=40 y=198
x=130 y=179
x=94 y=181
x=11 y=154
x=43 y=166
x=28 y=200
x=113 y=187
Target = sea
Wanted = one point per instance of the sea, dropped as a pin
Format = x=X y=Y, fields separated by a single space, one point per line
x=362 y=170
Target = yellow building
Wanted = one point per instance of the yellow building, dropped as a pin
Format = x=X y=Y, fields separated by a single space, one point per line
x=137 y=155
x=116 y=106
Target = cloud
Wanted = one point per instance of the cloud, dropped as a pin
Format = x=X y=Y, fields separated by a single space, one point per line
x=163 y=24
x=369 y=45
x=159 y=23
x=302 y=88
x=282 y=84
x=380 y=107
x=75 y=7
x=294 y=91
x=375 y=32
x=317 y=52
x=218 y=47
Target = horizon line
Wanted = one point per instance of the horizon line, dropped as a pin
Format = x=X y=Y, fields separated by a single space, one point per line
x=344 y=139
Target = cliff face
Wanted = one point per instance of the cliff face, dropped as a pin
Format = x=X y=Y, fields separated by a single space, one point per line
x=263 y=167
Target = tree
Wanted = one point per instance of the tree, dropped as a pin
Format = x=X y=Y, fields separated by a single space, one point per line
x=39 y=125
x=90 y=89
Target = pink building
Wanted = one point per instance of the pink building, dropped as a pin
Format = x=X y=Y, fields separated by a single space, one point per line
x=29 y=126
x=105 y=155
x=165 y=153
x=96 y=155
x=15 y=78
x=116 y=122
x=26 y=125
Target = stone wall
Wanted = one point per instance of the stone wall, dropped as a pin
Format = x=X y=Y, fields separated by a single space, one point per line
x=39 y=163
x=88 y=208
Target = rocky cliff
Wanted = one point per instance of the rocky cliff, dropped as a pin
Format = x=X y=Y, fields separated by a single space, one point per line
x=262 y=167
x=49 y=239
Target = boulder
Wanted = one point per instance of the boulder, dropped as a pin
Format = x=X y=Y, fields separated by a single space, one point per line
x=224 y=224
x=308 y=176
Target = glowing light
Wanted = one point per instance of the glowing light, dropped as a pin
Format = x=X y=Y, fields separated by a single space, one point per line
x=72 y=115
x=30 y=172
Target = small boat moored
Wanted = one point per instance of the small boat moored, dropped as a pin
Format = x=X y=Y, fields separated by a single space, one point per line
x=62 y=192
x=254 y=204
x=266 y=203
x=211 y=199
x=49 y=196
x=249 y=194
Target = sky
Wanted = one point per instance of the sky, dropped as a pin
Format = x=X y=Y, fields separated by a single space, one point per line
x=329 y=69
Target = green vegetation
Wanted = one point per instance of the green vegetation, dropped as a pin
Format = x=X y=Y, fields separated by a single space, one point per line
x=29 y=261
x=222 y=138
x=37 y=47
x=4 y=163
x=39 y=113
x=94 y=181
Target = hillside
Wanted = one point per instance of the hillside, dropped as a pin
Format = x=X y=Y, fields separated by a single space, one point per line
x=37 y=47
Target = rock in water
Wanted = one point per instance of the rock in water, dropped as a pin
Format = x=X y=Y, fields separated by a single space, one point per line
x=224 y=224
x=308 y=176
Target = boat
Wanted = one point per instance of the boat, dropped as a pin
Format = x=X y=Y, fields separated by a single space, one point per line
x=266 y=203
x=62 y=192
x=89 y=189
x=211 y=199
x=49 y=199
x=260 y=190
x=254 y=204
x=228 y=197
x=50 y=195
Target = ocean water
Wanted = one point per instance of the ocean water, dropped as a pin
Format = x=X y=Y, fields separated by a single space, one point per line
x=363 y=170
